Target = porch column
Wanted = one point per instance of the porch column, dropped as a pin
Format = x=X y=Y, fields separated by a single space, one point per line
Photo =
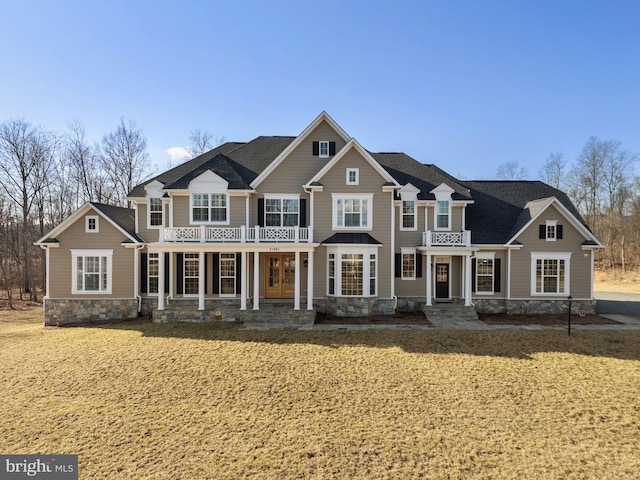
x=428 y=273
x=201 y=273
x=243 y=281
x=161 y=267
x=467 y=280
x=310 y=280
x=256 y=282
x=296 y=295
x=172 y=269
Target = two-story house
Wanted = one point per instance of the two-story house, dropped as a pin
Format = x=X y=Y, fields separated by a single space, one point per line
x=283 y=227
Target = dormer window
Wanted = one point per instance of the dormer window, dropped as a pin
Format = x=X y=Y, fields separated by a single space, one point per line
x=155 y=212
x=443 y=215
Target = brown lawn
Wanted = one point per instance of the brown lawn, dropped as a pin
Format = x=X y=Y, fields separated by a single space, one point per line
x=145 y=401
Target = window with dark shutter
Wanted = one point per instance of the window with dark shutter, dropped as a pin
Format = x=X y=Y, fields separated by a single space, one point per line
x=559 y=232
x=332 y=148
x=180 y=273
x=542 y=232
x=496 y=275
x=418 y=265
x=238 y=272
x=473 y=274
x=167 y=273
x=316 y=149
x=261 y=212
x=302 y=222
x=398 y=265
x=216 y=273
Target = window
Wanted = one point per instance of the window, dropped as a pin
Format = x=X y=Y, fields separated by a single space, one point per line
x=332 y=274
x=352 y=212
x=408 y=264
x=91 y=224
x=191 y=273
x=550 y=230
x=484 y=275
x=324 y=149
x=91 y=271
x=443 y=215
x=352 y=271
x=408 y=217
x=550 y=274
x=209 y=208
x=281 y=212
x=155 y=212
x=227 y=274
x=152 y=273
x=353 y=176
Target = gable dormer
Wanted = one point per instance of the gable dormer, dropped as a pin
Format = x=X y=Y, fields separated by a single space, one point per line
x=208 y=199
x=442 y=214
x=409 y=207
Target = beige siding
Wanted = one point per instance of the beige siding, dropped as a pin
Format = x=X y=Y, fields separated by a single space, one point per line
x=580 y=265
x=74 y=237
x=301 y=165
x=148 y=234
x=334 y=181
x=180 y=210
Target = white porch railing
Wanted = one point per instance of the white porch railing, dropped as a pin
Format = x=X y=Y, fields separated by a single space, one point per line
x=446 y=239
x=242 y=234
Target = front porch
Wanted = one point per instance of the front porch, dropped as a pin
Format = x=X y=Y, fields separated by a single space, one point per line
x=447 y=267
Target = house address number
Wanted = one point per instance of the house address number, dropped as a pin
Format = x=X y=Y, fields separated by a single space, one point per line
x=274 y=249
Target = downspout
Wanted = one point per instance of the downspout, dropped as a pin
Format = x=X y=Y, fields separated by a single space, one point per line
x=393 y=250
x=136 y=276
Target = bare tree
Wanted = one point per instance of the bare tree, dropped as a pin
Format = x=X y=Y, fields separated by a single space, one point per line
x=124 y=159
x=24 y=152
x=201 y=141
x=511 y=171
x=553 y=170
x=91 y=180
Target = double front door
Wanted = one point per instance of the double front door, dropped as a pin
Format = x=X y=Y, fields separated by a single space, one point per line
x=280 y=272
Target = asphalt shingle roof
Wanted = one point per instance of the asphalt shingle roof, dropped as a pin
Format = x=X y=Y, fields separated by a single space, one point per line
x=123 y=217
x=250 y=160
x=501 y=208
x=406 y=169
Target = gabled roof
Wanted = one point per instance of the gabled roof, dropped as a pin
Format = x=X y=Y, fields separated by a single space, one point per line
x=354 y=145
x=324 y=116
x=231 y=171
x=406 y=169
x=121 y=218
x=181 y=170
x=501 y=209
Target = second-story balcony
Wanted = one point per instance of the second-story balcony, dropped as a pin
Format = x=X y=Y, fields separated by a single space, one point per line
x=446 y=239
x=206 y=234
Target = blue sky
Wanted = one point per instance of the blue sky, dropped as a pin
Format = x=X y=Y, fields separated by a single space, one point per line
x=466 y=85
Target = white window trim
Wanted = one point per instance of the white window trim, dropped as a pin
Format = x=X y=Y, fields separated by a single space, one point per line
x=408 y=251
x=435 y=217
x=334 y=213
x=86 y=224
x=75 y=253
x=320 y=144
x=486 y=256
x=193 y=222
x=282 y=196
x=235 y=273
x=567 y=272
x=154 y=227
x=554 y=224
x=184 y=275
x=149 y=276
x=357 y=180
x=366 y=253
x=415 y=216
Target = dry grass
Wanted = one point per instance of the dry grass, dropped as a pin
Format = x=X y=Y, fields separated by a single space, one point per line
x=200 y=401
x=616 y=281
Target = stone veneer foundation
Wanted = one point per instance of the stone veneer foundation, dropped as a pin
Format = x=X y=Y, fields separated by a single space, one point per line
x=72 y=311
x=533 y=306
x=355 y=307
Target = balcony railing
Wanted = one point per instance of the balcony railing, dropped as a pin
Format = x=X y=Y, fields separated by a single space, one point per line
x=204 y=234
x=446 y=239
